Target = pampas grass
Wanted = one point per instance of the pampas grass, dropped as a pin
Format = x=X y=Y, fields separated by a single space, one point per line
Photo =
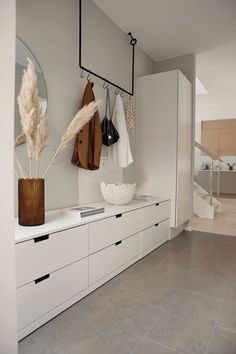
x=19 y=165
x=35 y=127
x=29 y=108
x=40 y=140
x=80 y=119
x=20 y=139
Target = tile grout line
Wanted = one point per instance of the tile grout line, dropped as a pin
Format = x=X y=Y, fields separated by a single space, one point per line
x=200 y=294
x=216 y=321
x=227 y=329
x=162 y=345
x=144 y=336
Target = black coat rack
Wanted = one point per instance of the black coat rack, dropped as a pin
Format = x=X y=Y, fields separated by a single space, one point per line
x=107 y=82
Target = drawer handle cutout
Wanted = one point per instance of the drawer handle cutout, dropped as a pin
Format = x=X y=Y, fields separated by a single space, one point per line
x=157 y=204
x=118 y=243
x=118 y=216
x=157 y=224
x=41 y=238
x=42 y=278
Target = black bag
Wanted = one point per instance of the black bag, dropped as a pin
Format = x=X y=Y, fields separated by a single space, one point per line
x=109 y=133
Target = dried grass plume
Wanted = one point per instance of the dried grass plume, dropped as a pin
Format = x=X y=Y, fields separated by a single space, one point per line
x=80 y=119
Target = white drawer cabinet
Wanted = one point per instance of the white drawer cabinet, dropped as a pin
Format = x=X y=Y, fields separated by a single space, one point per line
x=107 y=260
x=155 y=235
x=38 y=297
x=105 y=232
x=66 y=259
x=155 y=213
x=43 y=255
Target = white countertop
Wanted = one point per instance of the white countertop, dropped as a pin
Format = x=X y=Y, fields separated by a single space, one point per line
x=58 y=220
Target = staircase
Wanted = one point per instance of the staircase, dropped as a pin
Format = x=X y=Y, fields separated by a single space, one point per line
x=202 y=203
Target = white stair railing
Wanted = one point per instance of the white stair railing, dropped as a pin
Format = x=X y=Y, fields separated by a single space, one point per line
x=213 y=158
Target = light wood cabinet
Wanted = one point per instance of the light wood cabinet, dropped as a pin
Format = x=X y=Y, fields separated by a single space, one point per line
x=211 y=140
x=228 y=142
x=219 y=136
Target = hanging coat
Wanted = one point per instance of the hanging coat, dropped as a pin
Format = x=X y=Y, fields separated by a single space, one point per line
x=119 y=154
x=88 y=142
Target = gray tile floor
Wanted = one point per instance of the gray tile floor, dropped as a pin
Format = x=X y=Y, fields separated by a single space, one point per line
x=179 y=299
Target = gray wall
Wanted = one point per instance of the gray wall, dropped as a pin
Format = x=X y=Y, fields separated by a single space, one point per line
x=186 y=63
x=50 y=28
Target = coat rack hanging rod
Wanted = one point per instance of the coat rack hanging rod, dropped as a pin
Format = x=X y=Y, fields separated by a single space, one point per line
x=105 y=80
x=133 y=42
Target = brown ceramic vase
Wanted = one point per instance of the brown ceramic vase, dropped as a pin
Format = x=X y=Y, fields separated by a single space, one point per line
x=31 y=210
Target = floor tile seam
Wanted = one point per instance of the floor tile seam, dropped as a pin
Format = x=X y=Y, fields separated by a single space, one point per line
x=211 y=338
x=171 y=300
x=154 y=322
x=147 y=304
x=221 y=305
x=225 y=329
x=216 y=321
x=201 y=294
x=136 y=345
x=163 y=345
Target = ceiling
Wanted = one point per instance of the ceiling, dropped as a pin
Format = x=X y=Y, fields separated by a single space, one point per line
x=169 y=28
x=216 y=69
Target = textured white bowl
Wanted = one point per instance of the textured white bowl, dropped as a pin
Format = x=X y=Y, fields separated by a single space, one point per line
x=118 y=194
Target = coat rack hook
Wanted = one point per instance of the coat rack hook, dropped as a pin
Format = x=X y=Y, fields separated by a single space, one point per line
x=82 y=74
x=88 y=77
x=117 y=91
x=106 y=85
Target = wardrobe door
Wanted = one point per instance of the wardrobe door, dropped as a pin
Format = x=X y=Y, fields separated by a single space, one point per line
x=156 y=138
x=184 y=150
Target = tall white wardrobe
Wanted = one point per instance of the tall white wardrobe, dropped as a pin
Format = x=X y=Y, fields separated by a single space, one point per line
x=163 y=144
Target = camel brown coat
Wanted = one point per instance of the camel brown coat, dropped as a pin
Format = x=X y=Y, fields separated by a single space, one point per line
x=88 y=142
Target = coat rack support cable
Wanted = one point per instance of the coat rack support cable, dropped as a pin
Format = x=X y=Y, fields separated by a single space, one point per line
x=133 y=42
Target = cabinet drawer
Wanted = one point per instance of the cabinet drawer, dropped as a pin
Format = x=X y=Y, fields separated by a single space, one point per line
x=155 y=235
x=109 y=259
x=37 y=298
x=153 y=214
x=105 y=232
x=45 y=254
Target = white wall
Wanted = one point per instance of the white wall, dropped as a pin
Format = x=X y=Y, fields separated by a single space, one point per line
x=50 y=28
x=216 y=105
x=8 y=343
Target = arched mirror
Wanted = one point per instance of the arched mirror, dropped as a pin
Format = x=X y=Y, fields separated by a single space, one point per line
x=22 y=53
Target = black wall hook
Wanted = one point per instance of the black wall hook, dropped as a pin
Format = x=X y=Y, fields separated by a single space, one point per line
x=133 y=40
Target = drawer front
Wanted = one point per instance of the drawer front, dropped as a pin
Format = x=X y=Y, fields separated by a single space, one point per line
x=106 y=232
x=153 y=214
x=37 y=298
x=111 y=258
x=155 y=235
x=46 y=254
